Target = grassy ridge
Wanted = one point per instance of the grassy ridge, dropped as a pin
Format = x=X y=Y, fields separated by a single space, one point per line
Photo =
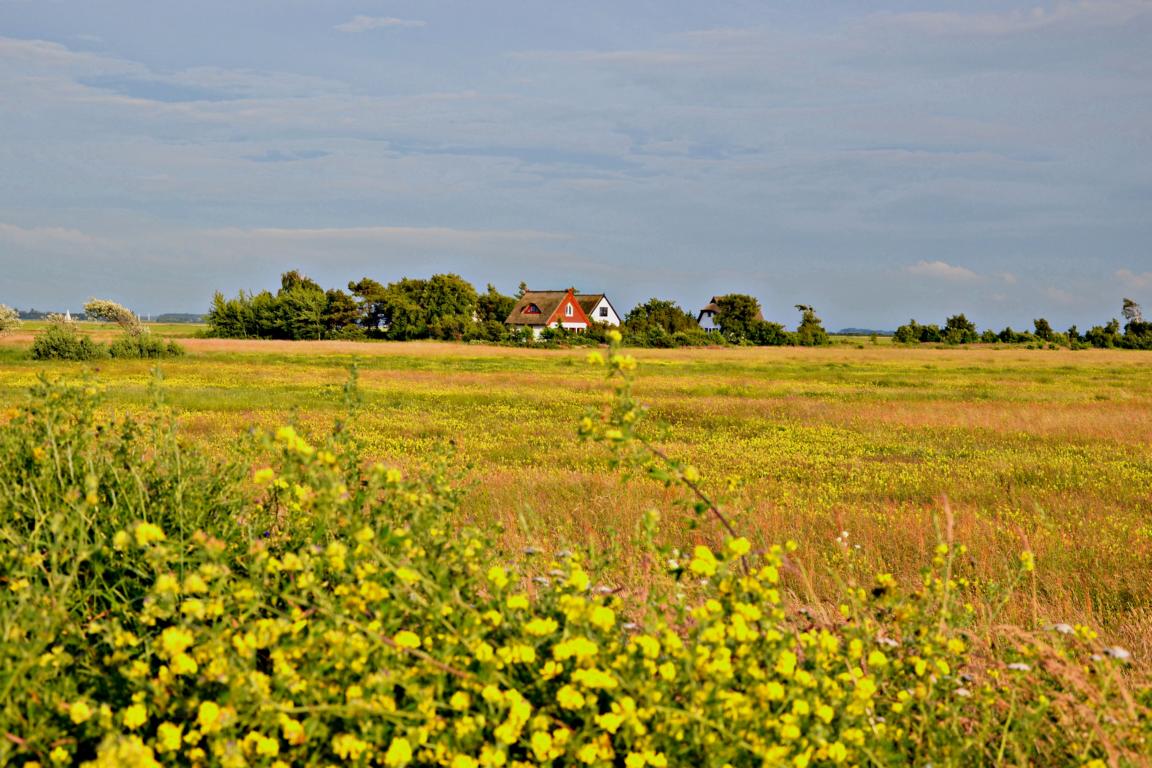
x=1044 y=450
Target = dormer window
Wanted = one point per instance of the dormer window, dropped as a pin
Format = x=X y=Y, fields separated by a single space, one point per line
x=531 y=309
x=569 y=311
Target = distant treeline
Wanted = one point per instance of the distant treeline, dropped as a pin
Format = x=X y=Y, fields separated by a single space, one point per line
x=448 y=307
x=1136 y=334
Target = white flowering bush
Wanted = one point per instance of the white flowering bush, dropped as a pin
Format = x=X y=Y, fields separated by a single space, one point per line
x=158 y=609
x=9 y=318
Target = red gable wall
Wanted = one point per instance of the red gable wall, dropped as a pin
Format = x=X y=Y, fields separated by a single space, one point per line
x=560 y=315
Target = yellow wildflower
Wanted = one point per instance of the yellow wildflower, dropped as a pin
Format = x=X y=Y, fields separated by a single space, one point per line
x=147 y=533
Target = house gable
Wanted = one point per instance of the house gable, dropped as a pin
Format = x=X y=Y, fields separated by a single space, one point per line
x=541 y=309
x=598 y=308
x=569 y=313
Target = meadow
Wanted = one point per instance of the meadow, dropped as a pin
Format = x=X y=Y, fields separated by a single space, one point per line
x=854 y=453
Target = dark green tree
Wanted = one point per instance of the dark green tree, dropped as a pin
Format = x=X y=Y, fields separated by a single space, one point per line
x=810 y=332
x=661 y=314
x=958 y=329
x=737 y=316
x=449 y=303
x=370 y=298
x=493 y=306
x=229 y=318
x=909 y=333
x=1106 y=336
x=340 y=311
x=1043 y=329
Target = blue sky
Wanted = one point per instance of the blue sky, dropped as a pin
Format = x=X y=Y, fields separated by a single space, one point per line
x=879 y=160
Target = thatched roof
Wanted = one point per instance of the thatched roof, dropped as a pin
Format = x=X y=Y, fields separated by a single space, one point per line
x=588 y=301
x=535 y=307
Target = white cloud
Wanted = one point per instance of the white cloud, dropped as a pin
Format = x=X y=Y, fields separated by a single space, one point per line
x=942 y=270
x=366 y=23
x=1131 y=279
x=1008 y=278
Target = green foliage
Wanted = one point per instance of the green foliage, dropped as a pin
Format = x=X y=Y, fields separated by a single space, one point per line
x=61 y=341
x=441 y=307
x=738 y=316
x=661 y=314
x=144 y=346
x=493 y=306
x=1043 y=330
x=1106 y=336
x=958 y=329
x=765 y=334
x=810 y=332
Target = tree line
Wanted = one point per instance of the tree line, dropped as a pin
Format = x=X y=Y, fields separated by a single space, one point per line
x=447 y=307
x=958 y=329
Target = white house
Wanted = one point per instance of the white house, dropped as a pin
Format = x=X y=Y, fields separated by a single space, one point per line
x=598 y=308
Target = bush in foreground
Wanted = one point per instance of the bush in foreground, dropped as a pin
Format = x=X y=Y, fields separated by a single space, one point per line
x=157 y=609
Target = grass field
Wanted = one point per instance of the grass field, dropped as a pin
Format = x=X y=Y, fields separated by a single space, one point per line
x=1047 y=451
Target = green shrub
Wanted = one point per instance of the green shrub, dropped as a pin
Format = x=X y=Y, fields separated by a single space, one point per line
x=61 y=341
x=144 y=346
x=158 y=609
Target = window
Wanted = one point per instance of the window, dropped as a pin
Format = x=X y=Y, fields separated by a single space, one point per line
x=569 y=311
x=531 y=309
x=603 y=311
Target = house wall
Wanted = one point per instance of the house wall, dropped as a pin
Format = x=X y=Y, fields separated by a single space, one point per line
x=611 y=319
x=708 y=321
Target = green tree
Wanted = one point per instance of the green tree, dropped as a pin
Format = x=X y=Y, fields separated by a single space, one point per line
x=340 y=310
x=300 y=303
x=449 y=303
x=909 y=333
x=302 y=313
x=810 y=332
x=401 y=313
x=765 y=334
x=293 y=279
x=264 y=316
x=1106 y=336
x=661 y=314
x=1043 y=329
x=737 y=316
x=370 y=295
x=958 y=329
x=493 y=306
x=229 y=318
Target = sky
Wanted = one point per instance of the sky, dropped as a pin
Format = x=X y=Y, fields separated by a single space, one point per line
x=878 y=160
